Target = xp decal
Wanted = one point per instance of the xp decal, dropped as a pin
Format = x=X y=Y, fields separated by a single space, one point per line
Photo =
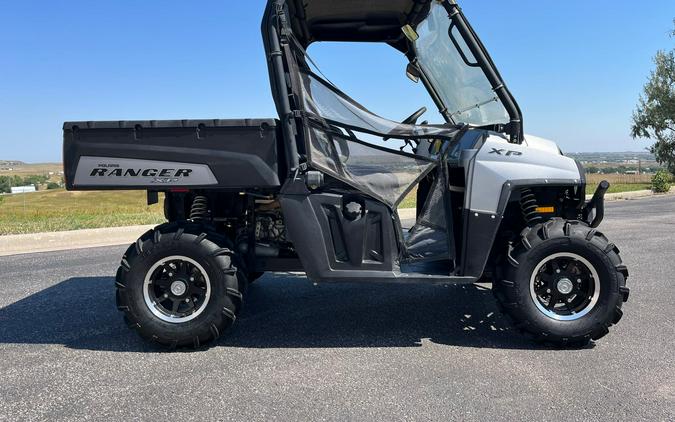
x=505 y=152
x=100 y=171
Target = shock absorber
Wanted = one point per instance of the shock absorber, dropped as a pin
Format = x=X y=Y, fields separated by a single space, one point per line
x=528 y=206
x=200 y=208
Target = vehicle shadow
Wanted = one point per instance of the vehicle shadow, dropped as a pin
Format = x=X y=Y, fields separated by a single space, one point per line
x=281 y=311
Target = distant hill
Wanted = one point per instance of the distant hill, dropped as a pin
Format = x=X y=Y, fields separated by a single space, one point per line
x=20 y=168
x=9 y=163
x=613 y=157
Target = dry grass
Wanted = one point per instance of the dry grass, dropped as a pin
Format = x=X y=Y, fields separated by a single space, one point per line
x=624 y=179
x=57 y=210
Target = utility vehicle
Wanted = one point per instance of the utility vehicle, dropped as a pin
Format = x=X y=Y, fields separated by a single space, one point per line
x=318 y=189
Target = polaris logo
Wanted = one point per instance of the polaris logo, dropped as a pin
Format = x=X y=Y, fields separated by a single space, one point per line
x=105 y=171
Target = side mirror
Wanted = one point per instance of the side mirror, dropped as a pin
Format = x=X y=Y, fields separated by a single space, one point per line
x=412 y=72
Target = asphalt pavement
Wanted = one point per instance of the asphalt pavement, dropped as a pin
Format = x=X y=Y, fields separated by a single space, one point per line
x=301 y=351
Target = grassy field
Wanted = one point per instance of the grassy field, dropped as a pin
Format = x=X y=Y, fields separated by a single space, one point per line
x=623 y=179
x=57 y=210
x=619 y=182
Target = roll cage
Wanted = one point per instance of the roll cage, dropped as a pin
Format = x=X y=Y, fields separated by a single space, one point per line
x=290 y=26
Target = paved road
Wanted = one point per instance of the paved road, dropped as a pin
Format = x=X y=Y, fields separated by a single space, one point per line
x=336 y=352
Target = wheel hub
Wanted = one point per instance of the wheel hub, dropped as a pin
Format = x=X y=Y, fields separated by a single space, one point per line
x=178 y=288
x=565 y=286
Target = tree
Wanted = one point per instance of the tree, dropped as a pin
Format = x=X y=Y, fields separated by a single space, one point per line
x=654 y=117
x=661 y=181
x=6 y=182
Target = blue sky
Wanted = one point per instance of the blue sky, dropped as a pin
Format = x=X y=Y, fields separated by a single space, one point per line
x=575 y=67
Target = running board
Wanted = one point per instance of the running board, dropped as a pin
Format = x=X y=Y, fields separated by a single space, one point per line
x=393 y=277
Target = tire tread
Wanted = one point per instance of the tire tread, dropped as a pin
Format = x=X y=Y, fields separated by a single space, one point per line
x=505 y=289
x=224 y=257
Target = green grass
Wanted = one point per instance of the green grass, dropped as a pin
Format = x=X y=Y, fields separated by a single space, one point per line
x=58 y=210
x=410 y=201
x=620 y=187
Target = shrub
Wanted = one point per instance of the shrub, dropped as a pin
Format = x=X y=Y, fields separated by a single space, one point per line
x=661 y=181
x=53 y=185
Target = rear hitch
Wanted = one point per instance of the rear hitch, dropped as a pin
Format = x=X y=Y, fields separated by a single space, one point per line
x=595 y=208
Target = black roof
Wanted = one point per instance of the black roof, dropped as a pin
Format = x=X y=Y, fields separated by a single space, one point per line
x=354 y=20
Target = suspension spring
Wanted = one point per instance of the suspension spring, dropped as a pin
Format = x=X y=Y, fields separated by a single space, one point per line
x=528 y=206
x=200 y=208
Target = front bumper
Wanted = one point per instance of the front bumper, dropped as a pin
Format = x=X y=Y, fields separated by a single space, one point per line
x=594 y=210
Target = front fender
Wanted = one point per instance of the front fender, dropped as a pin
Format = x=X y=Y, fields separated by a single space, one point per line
x=493 y=172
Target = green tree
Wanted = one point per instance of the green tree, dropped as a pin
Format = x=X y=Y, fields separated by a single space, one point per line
x=34 y=179
x=661 y=181
x=6 y=182
x=654 y=117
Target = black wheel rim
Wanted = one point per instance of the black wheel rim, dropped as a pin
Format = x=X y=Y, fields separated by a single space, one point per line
x=177 y=289
x=565 y=286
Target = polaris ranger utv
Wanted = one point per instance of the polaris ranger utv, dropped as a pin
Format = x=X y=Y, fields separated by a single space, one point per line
x=318 y=189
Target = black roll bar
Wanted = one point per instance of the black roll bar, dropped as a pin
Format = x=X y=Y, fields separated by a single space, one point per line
x=515 y=126
x=275 y=27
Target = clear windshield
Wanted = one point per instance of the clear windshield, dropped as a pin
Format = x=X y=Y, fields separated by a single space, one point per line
x=450 y=67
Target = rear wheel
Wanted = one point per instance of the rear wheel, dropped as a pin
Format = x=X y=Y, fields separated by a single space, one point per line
x=563 y=283
x=178 y=286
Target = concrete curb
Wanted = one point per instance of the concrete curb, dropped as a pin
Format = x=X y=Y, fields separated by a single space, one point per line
x=75 y=239
x=633 y=195
x=407 y=213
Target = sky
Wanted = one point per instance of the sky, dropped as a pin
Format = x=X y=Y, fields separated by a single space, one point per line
x=576 y=68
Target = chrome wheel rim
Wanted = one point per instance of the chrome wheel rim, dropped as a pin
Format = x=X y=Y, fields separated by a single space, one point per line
x=176 y=289
x=565 y=286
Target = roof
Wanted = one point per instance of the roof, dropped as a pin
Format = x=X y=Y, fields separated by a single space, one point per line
x=354 y=20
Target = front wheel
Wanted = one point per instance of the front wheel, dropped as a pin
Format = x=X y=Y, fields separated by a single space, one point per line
x=563 y=283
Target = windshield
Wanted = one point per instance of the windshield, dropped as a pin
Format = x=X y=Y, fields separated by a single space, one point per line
x=451 y=69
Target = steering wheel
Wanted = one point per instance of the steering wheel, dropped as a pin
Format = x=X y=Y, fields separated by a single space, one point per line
x=412 y=119
x=342 y=149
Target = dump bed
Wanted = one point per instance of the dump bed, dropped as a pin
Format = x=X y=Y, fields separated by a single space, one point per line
x=162 y=154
